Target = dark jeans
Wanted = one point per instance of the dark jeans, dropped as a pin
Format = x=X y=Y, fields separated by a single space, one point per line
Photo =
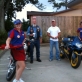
x=35 y=43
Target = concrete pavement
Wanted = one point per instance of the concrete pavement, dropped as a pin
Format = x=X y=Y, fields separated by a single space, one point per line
x=45 y=71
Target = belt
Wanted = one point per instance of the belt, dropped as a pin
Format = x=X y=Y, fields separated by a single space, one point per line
x=34 y=39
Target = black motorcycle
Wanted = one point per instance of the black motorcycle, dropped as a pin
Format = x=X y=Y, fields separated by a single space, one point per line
x=71 y=48
x=12 y=63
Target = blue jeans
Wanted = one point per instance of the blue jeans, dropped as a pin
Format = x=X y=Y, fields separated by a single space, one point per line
x=56 y=45
x=35 y=43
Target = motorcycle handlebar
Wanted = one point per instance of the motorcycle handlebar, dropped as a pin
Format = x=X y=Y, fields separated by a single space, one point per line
x=11 y=47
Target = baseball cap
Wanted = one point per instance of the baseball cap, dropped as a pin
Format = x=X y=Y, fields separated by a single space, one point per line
x=17 y=21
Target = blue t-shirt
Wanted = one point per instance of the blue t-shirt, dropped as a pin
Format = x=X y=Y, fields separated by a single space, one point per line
x=17 y=38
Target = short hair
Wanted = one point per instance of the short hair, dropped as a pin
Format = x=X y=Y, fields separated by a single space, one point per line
x=53 y=20
x=34 y=17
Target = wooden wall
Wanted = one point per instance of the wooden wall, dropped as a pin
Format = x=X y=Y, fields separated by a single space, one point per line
x=67 y=24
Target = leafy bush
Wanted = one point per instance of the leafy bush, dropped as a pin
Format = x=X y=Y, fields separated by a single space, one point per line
x=25 y=25
x=8 y=25
x=3 y=37
x=45 y=39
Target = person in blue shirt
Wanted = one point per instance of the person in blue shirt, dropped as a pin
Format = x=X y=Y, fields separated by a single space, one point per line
x=79 y=31
x=16 y=38
x=35 y=35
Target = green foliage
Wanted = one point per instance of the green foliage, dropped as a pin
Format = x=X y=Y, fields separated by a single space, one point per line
x=11 y=6
x=25 y=25
x=45 y=39
x=3 y=37
x=8 y=25
x=10 y=12
x=58 y=5
x=40 y=6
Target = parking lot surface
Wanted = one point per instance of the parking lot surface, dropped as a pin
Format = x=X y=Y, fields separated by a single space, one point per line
x=45 y=71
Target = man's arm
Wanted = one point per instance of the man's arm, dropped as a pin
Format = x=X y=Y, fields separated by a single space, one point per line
x=58 y=35
x=48 y=34
x=28 y=32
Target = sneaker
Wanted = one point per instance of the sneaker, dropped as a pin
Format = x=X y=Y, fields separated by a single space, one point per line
x=16 y=80
x=39 y=60
x=21 y=80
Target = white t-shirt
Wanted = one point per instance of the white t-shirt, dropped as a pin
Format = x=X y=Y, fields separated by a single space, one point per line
x=53 y=32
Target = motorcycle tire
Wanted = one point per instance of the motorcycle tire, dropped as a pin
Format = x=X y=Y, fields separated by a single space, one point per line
x=62 y=53
x=75 y=60
x=11 y=73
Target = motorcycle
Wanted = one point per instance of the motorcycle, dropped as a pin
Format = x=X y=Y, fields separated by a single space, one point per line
x=27 y=48
x=11 y=68
x=12 y=63
x=71 y=48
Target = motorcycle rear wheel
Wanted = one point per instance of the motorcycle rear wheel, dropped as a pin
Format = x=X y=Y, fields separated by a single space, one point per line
x=75 y=60
x=10 y=73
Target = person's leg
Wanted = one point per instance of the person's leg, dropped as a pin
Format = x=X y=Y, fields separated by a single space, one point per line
x=31 y=51
x=37 y=45
x=28 y=51
x=20 y=66
x=57 y=50
x=51 y=50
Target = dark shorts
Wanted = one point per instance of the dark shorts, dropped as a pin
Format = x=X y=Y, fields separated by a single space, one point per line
x=18 y=55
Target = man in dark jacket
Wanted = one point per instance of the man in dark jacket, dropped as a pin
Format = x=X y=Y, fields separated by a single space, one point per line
x=35 y=35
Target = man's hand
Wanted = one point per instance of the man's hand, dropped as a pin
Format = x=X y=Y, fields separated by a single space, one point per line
x=56 y=37
x=53 y=37
x=31 y=34
x=7 y=47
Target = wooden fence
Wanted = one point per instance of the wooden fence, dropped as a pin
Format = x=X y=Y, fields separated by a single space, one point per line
x=67 y=24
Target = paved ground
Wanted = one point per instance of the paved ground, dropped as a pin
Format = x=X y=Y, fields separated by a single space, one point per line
x=55 y=71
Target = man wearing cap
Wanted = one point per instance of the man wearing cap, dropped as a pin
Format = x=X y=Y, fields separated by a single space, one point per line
x=53 y=33
x=35 y=35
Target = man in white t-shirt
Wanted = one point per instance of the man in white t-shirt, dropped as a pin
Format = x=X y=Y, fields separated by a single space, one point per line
x=54 y=32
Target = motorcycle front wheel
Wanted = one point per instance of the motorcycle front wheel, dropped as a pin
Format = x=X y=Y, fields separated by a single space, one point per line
x=11 y=73
x=75 y=60
x=62 y=53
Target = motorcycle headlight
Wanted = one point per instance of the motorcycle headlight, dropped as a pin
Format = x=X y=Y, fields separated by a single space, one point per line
x=78 y=45
x=25 y=46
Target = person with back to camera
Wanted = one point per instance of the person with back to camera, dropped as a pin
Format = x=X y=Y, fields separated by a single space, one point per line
x=16 y=38
x=79 y=31
x=34 y=32
x=54 y=32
